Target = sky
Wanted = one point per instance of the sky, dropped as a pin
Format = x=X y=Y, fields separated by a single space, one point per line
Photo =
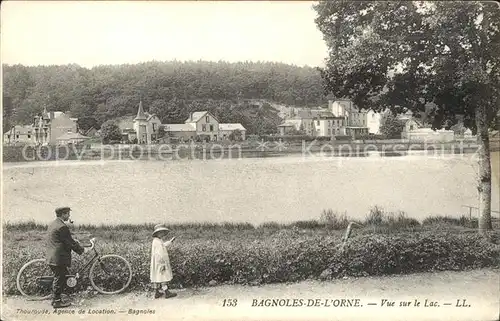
x=91 y=33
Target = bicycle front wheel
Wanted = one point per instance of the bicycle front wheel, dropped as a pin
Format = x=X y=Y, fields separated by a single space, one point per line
x=34 y=280
x=110 y=274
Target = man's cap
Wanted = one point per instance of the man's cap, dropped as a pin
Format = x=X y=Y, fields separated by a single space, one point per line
x=62 y=210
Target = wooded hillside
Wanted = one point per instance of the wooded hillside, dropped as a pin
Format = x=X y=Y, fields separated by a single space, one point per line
x=169 y=89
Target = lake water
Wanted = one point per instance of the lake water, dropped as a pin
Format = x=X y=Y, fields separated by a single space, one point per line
x=254 y=190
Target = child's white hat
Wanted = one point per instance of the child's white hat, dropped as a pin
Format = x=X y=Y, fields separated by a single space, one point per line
x=160 y=227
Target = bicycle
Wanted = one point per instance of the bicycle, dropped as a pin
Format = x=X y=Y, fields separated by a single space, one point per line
x=34 y=279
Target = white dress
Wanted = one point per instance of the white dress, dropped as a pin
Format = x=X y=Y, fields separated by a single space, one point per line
x=159 y=258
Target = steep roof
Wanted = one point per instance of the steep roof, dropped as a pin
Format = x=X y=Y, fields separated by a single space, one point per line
x=194 y=117
x=91 y=131
x=45 y=114
x=140 y=113
x=149 y=116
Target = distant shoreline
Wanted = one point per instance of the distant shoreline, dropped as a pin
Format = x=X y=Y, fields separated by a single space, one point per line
x=214 y=151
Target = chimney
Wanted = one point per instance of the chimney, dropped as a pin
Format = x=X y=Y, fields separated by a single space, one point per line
x=191 y=116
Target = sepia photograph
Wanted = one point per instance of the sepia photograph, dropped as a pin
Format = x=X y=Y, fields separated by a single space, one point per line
x=250 y=160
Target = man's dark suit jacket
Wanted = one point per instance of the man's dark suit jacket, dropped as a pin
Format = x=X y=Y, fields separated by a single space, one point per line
x=60 y=244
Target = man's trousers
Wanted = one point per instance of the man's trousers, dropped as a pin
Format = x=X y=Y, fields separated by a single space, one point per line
x=60 y=272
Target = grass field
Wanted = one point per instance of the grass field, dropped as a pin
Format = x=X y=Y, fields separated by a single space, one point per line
x=203 y=253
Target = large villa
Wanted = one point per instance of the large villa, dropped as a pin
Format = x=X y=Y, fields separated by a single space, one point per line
x=340 y=118
x=58 y=128
x=145 y=127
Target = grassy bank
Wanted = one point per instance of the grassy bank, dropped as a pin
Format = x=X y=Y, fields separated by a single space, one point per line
x=205 y=253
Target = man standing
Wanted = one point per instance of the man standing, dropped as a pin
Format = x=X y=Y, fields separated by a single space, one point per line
x=59 y=247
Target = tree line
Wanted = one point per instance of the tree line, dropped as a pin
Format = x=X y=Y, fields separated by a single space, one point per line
x=391 y=54
x=169 y=89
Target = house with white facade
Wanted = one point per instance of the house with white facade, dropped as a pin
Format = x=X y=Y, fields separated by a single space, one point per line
x=225 y=130
x=341 y=118
x=46 y=128
x=287 y=128
x=205 y=125
x=414 y=131
x=327 y=124
x=313 y=122
x=145 y=128
x=357 y=121
x=22 y=134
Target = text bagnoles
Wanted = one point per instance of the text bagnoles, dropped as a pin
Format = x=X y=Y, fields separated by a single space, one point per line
x=306 y=303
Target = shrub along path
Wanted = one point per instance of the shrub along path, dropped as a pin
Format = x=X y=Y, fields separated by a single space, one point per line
x=478 y=287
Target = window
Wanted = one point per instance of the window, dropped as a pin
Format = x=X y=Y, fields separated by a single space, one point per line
x=204 y=127
x=211 y=128
x=317 y=122
x=29 y=136
x=8 y=136
x=17 y=136
x=207 y=119
x=154 y=127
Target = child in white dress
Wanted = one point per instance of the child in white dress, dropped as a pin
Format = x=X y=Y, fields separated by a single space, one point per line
x=161 y=271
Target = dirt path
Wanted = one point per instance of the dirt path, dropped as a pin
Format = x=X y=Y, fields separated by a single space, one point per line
x=480 y=289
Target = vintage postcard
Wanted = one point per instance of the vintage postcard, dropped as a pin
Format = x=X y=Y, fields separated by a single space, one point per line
x=234 y=160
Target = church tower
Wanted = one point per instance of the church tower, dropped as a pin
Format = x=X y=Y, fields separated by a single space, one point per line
x=140 y=126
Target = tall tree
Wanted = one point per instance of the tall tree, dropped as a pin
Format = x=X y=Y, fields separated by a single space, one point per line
x=408 y=54
x=85 y=123
x=7 y=113
x=390 y=125
x=110 y=132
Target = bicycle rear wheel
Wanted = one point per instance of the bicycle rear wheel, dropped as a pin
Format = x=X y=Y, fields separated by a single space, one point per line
x=34 y=280
x=110 y=274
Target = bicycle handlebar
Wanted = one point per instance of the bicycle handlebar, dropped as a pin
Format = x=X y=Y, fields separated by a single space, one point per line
x=92 y=244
